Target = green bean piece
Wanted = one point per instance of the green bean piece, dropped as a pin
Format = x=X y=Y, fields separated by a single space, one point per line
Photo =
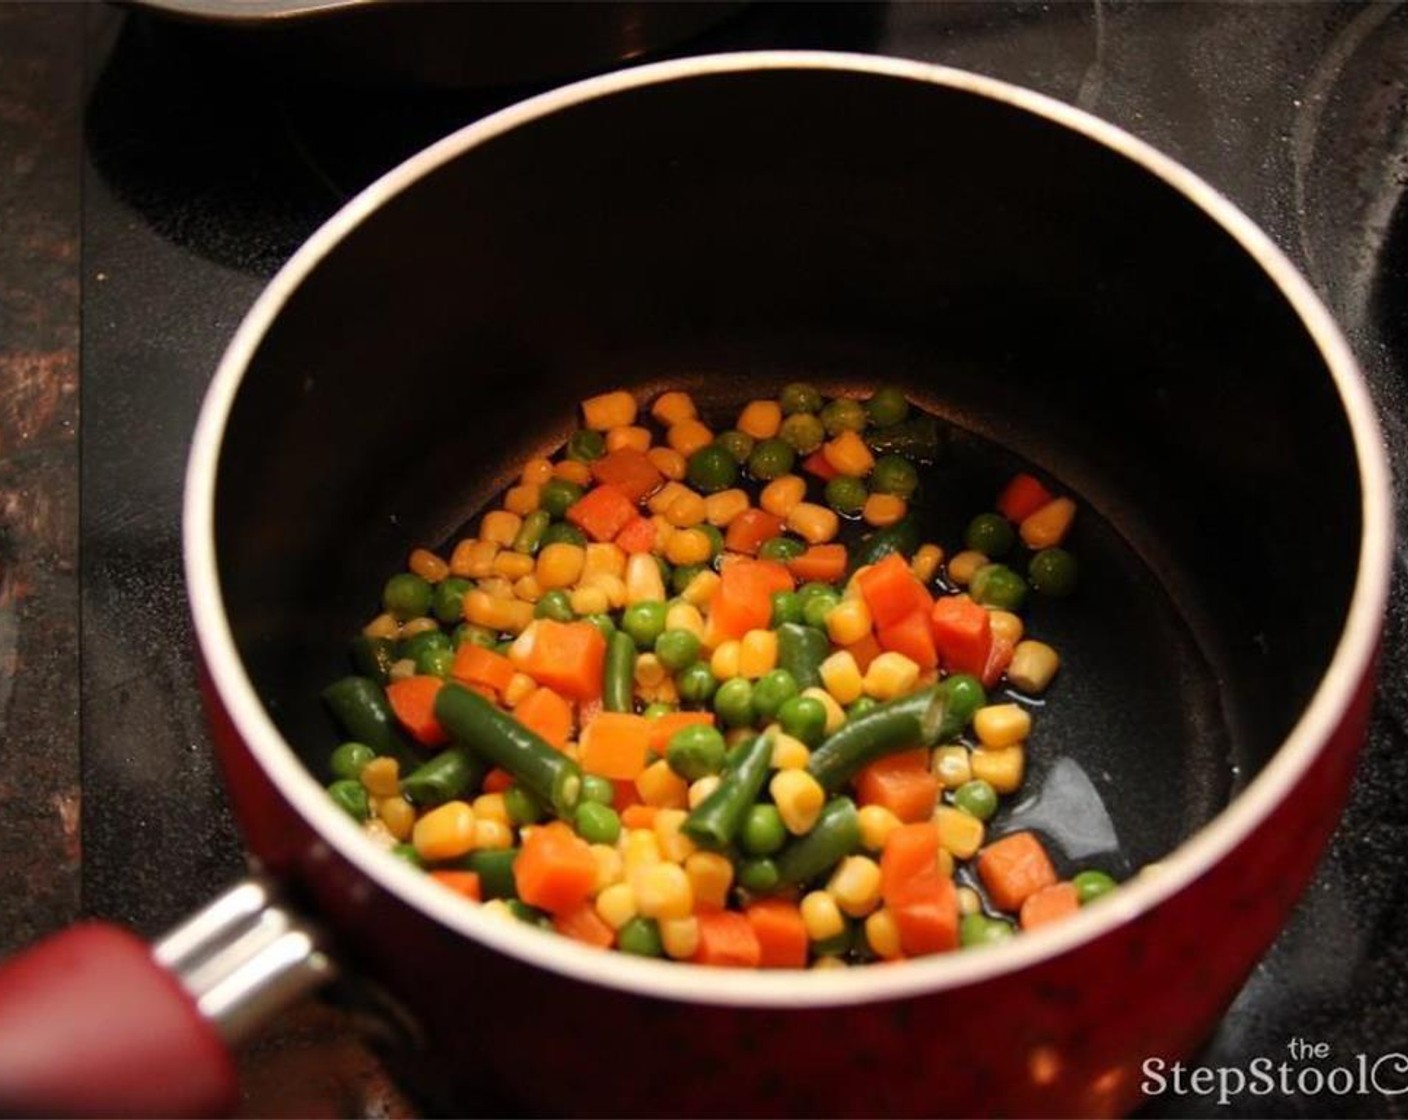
x=736 y=443
x=557 y=496
x=835 y=835
x=530 y=533
x=563 y=532
x=349 y=759
x=349 y=795
x=360 y=707
x=997 y=585
x=846 y=495
x=804 y=432
x=495 y=870
x=504 y=741
x=894 y=474
x=447 y=601
x=887 y=406
x=1052 y=571
x=618 y=677
x=799 y=397
x=695 y=752
x=641 y=938
x=696 y=684
x=406 y=596
x=450 y=774
x=991 y=534
x=711 y=469
x=603 y=623
x=916 y=720
x=585 y=445
x=901 y=537
x=373 y=657
x=917 y=439
x=800 y=651
x=715 y=821
x=1091 y=885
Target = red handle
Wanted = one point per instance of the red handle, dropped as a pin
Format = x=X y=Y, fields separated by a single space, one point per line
x=91 y=1025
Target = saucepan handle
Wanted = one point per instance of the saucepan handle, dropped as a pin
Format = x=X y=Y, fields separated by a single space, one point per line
x=96 y=1022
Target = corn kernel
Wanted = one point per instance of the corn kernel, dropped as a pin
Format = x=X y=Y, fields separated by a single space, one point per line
x=849 y=622
x=688 y=546
x=1001 y=768
x=604 y=558
x=445 y=832
x=375 y=830
x=500 y=526
x=789 y=753
x=702 y=788
x=628 y=437
x=614 y=586
x=724 y=664
x=951 y=766
x=672 y=407
x=560 y=565
x=675 y=846
x=492 y=836
x=573 y=471
x=882 y=510
x=660 y=786
x=589 y=600
x=1001 y=725
x=663 y=693
x=381 y=777
x=876 y=823
x=687 y=510
x=925 y=564
x=760 y=419
x=610 y=866
x=782 y=495
x=520 y=687
x=644 y=583
x=882 y=934
x=668 y=462
x=639 y=847
x=416 y=626
x=963 y=564
x=1032 y=667
x=855 y=885
x=661 y=500
x=427 y=565
x=842 y=677
x=609 y=410
x=828 y=964
x=663 y=890
x=522 y=499
x=685 y=616
x=401 y=670
x=799 y=799
x=498 y=908
x=710 y=877
x=701 y=588
x=490 y=807
x=723 y=507
x=616 y=905
x=1006 y=626
x=813 y=523
x=890 y=675
x=757 y=653
x=397 y=814
x=536 y=472
x=513 y=565
x=382 y=626
x=679 y=937
x=479 y=560
x=496 y=587
x=688 y=436
x=648 y=671
x=1047 y=527
x=508 y=615
x=821 y=916
x=835 y=714
x=959 y=833
x=968 y=901
x=849 y=455
x=944 y=862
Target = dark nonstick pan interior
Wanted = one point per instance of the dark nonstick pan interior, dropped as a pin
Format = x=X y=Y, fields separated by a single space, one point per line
x=731 y=232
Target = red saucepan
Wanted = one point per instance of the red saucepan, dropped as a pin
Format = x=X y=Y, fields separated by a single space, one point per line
x=1038 y=278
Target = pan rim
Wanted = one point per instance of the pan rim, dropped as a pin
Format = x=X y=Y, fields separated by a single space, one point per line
x=1350 y=663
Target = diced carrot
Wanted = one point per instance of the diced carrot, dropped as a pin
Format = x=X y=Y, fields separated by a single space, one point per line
x=567 y=657
x=912 y=636
x=865 y=651
x=582 y=923
x=822 y=563
x=602 y=512
x=1050 y=904
x=413 y=701
x=962 y=634
x=817 y=464
x=925 y=909
x=497 y=780
x=638 y=815
x=750 y=529
x=910 y=850
x=999 y=657
x=743 y=601
x=780 y=931
x=630 y=471
x=637 y=536
x=902 y=783
x=588 y=710
x=663 y=727
x=892 y=592
x=1022 y=497
x=555 y=870
x=1013 y=869
x=476 y=665
x=626 y=795
x=547 y=713
x=464 y=883
x=726 y=938
x=614 y=745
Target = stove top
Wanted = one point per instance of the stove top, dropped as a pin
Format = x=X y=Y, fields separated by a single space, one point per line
x=202 y=173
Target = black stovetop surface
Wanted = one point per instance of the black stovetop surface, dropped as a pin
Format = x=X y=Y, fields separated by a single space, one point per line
x=202 y=176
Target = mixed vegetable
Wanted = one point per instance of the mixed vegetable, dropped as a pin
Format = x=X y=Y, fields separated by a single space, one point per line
x=709 y=696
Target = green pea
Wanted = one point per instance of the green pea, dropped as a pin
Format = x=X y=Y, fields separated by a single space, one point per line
x=976 y=798
x=846 y=495
x=522 y=807
x=557 y=496
x=991 y=534
x=771 y=458
x=781 y=549
x=818 y=608
x=786 y=607
x=1053 y=572
x=696 y=683
x=677 y=649
x=763 y=832
x=435 y=661
x=350 y=796
x=644 y=622
x=716 y=538
x=733 y=703
x=556 y=605
x=861 y=705
x=417 y=644
x=965 y=694
x=406 y=596
x=978 y=929
x=447 y=601
x=597 y=789
x=712 y=469
x=474 y=635
x=696 y=751
x=683 y=576
x=799 y=397
x=894 y=474
x=530 y=534
x=562 y=532
x=736 y=443
x=641 y=938
x=597 y=823
x=603 y=623
x=843 y=415
x=772 y=691
x=803 y=432
x=758 y=875
x=347 y=761
x=838 y=944
x=657 y=709
x=1091 y=885
x=812 y=588
x=585 y=445
x=804 y=718
x=887 y=406
x=408 y=853
x=997 y=585
x=503 y=647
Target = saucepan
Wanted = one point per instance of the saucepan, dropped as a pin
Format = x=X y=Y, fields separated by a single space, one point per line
x=726 y=224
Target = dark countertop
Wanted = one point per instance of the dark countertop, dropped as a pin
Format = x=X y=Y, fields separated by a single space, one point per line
x=149 y=190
